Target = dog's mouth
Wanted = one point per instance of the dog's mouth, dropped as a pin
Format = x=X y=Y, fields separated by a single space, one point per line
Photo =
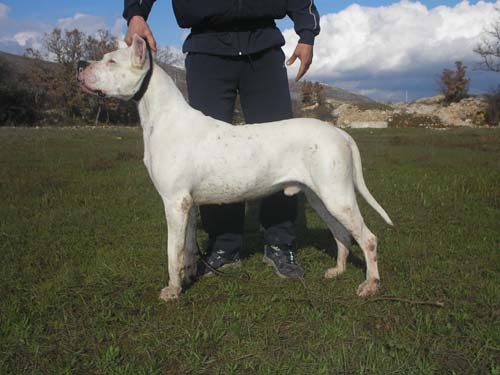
x=81 y=80
x=89 y=90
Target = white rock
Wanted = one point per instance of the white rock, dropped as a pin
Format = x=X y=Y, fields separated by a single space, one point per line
x=368 y=124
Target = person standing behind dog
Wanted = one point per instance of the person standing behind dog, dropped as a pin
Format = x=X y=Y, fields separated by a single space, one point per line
x=235 y=48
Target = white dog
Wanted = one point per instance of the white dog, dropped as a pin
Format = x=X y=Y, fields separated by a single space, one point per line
x=194 y=159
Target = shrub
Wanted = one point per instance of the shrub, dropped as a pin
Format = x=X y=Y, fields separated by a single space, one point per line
x=410 y=120
x=373 y=106
x=493 y=109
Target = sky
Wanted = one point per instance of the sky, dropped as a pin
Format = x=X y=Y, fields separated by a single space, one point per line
x=387 y=50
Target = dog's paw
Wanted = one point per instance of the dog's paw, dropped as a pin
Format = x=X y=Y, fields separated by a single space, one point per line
x=170 y=292
x=333 y=272
x=369 y=288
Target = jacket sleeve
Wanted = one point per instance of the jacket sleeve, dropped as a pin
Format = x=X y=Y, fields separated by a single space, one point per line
x=137 y=8
x=305 y=17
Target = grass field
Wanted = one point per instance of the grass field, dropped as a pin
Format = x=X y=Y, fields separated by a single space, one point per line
x=83 y=258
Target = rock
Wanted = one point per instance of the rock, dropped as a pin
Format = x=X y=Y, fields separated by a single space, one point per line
x=347 y=114
x=368 y=124
x=467 y=112
x=311 y=107
x=432 y=100
x=428 y=112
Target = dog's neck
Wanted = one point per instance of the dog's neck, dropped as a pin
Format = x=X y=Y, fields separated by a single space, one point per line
x=161 y=93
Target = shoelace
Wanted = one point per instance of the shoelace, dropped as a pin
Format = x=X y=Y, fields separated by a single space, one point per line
x=288 y=254
x=291 y=258
x=218 y=254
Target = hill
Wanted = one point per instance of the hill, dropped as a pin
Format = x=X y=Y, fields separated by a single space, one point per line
x=331 y=93
x=20 y=88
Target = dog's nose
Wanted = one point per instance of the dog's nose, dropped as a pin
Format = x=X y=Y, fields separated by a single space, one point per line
x=82 y=65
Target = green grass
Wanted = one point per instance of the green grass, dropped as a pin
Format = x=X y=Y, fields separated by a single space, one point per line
x=83 y=258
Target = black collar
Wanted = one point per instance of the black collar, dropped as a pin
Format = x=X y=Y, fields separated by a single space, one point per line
x=145 y=82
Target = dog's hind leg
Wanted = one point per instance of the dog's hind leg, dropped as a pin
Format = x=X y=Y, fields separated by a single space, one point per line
x=369 y=246
x=342 y=237
x=177 y=213
x=344 y=208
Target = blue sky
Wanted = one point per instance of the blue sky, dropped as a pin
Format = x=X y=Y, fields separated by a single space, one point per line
x=379 y=48
x=162 y=19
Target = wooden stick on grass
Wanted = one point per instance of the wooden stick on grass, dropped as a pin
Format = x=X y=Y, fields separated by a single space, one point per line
x=405 y=300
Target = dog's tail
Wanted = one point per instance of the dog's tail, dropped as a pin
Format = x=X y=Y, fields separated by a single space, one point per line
x=359 y=182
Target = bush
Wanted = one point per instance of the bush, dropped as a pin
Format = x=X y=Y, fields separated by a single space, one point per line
x=373 y=106
x=493 y=109
x=16 y=107
x=410 y=120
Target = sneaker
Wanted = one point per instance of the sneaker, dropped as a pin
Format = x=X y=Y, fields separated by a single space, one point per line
x=216 y=261
x=281 y=257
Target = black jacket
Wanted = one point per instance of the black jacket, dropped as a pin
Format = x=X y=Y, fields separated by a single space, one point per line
x=235 y=27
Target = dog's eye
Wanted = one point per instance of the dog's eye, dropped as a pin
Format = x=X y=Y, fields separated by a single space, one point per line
x=111 y=61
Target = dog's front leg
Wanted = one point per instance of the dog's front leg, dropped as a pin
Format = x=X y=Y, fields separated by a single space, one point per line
x=191 y=254
x=177 y=213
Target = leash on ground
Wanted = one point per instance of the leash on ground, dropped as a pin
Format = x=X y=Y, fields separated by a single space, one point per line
x=244 y=275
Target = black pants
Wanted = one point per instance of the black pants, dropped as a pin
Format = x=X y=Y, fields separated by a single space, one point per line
x=213 y=83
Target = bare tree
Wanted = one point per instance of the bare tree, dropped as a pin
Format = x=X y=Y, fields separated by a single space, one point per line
x=489 y=47
x=33 y=54
x=307 y=93
x=67 y=48
x=318 y=93
x=56 y=90
x=95 y=47
x=41 y=78
x=170 y=56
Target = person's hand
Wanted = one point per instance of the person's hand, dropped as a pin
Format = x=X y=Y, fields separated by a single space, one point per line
x=305 y=54
x=138 y=25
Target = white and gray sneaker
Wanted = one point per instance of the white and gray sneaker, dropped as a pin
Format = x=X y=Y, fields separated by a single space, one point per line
x=216 y=261
x=281 y=257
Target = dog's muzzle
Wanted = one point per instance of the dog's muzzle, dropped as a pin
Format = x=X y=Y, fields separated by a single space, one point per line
x=80 y=67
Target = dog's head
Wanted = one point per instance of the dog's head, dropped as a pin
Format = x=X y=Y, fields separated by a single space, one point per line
x=119 y=74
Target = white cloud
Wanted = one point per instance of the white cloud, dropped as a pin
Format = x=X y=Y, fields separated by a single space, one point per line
x=86 y=23
x=23 y=38
x=16 y=36
x=402 y=38
x=119 y=27
x=4 y=11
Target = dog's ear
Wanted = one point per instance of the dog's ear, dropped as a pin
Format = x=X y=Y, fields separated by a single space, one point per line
x=139 y=51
